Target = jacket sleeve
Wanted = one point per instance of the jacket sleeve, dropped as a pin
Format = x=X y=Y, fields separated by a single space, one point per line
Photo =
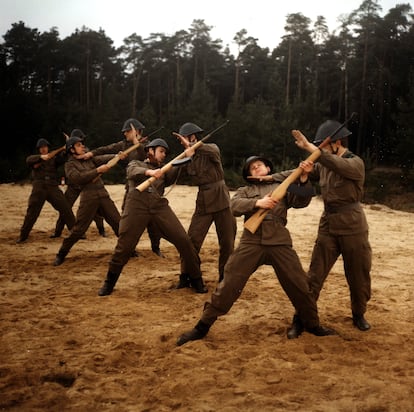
x=171 y=175
x=100 y=160
x=78 y=175
x=297 y=201
x=33 y=159
x=281 y=176
x=113 y=148
x=136 y=170
x=348 y=166
x=244 y=201
x=210 y=150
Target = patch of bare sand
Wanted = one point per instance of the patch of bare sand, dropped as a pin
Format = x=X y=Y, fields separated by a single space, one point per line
x=64 y=348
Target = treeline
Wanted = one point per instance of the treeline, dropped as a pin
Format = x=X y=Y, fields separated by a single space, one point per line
x=50 y=86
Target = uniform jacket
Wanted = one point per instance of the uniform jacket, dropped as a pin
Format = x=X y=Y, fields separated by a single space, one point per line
x=46 y=171
x=273 y=230
x=342 y=184
x=84 y=174
x=206 y=171
x=136 y=175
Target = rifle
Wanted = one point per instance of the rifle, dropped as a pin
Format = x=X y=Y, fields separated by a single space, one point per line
x=51 y=155
x=111 y=163
x=144 y=185
x=254 y=221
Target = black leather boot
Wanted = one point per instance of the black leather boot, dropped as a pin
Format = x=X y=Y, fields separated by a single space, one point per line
x=200 y=330
x=198 y=285
x=360 y=322
x=321 y=331
x=22 y=238
x=60 y=258
x=158 y=252
x=296 y=329
x=184 y=281
x=109 y=284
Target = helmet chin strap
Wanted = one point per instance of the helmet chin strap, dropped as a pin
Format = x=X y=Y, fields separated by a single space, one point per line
x=334 y=150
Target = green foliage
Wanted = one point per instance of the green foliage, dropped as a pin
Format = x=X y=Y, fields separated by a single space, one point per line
x=50 y=86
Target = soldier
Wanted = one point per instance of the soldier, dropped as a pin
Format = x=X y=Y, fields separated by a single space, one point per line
x=94 y=198
x=271 y=244
x=71 y=194
x=45 y=188
x=147 y=206
x=132 y=130
x=213 y=199
x=343 y=227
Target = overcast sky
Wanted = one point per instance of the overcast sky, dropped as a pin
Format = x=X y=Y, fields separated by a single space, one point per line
x=263 y=19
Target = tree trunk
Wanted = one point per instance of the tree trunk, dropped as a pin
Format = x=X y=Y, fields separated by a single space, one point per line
x=237 y=82
x=87 y=80
x=361 y=129
x=288 y=73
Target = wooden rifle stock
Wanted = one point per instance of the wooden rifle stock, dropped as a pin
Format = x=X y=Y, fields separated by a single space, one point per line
x=111 y=163
x=254 y=221
x=147 y=183
x=117 y=158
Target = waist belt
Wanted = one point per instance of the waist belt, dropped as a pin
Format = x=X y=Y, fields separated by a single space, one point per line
x=343 y=208
x=275 y=218
x=211 y=185
x=93 y=186
x=270 y=217
x=46 y=178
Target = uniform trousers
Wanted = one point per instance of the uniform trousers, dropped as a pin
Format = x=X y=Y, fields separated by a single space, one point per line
x=245 y=260
x=71 y=195
x=88 y=208
x=226 y=228
x=141 y=209
x=356 y=253
x=153 y=231
x=42 y=192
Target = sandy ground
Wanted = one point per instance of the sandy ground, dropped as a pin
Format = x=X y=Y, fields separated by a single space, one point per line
x=63 y=348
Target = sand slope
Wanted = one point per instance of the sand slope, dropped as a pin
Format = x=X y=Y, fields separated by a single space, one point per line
x=64 y=348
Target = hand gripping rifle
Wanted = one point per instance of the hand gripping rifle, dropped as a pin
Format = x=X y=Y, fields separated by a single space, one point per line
x=117 y=158
x=111 y=163
x=144 y=185
x=53 y=153
x=254 y=221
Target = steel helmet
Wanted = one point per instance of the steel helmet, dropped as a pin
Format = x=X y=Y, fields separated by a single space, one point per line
x=71 y=142
x=77 y=133
x=252 y=159
x=157 y=142
x=127 y=125
x=327 y=128
x=42 y=142
x=188 y=129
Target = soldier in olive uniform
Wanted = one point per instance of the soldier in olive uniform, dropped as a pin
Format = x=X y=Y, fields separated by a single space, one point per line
x=94 y=197
x=271 y=244
x=45 y=188
x=343 y=227
x=147 y=206
x=71 y=194
x=132 y=130
x=213 y=199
